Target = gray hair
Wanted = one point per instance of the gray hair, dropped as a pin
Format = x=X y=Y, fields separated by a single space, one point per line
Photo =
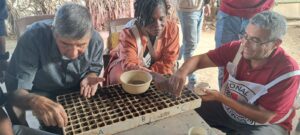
x=72 y=21
x=272 y=21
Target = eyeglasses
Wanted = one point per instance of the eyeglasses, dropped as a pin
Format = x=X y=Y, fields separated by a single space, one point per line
x=253 y=40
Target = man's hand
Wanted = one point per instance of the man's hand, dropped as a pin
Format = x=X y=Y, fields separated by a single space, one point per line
x=51 y=113
x=176 y=82
x=89 y=85
x=210 y=95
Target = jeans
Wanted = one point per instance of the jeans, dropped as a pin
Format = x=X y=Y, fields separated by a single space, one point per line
x=191 y=26
x=228 y=29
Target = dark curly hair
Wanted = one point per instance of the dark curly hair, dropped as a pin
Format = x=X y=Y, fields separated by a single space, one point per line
x=143 y=10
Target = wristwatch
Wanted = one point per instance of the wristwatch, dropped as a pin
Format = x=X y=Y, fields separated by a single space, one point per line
x=4 y=56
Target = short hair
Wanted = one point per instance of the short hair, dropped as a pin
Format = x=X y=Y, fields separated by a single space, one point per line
x=143 y=10
x=72 y=21
x=271 y=21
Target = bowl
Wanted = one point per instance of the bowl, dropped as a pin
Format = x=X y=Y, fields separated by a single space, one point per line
x=135 y=81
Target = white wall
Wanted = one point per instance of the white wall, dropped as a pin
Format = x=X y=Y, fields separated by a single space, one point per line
x=291 y=10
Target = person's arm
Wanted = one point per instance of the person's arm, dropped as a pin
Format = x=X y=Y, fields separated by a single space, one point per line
x=50 y=112
x=90 y=82
x=177 y=80
x=97 y=54
x=19 y=79
x=170 y=52
x=5 y=124
x=254 y=112
x=128 y=51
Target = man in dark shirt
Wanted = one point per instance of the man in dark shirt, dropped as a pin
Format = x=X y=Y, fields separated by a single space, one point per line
x=53 y=58
x=3 y=54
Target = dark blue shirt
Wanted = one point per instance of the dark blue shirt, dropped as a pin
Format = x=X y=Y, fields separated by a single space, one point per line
x=3 y=10
x=37 y=64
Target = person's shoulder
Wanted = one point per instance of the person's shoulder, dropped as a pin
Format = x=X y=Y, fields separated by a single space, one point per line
x=96 y=39
x=284 y=60
x=96 y=35
x=37 y=34
x=281 y=63
x=171 y=24
x=39 y=29
x=172 y=27
x=43 y=24
x=232 y=46
x=126 y=34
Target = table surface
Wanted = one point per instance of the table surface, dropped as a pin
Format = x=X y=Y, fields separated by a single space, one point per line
x=176 y=125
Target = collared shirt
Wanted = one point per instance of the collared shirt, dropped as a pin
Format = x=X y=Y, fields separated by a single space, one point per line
x=280 y=98
x=37 y=64
x=3 y=10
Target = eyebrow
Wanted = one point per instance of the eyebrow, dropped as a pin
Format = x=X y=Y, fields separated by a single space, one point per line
x=66 y=43
x=256 y=38
x=80 y=44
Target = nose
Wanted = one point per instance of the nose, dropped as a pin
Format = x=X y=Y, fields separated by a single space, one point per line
x=73 y=53
x=245 y=42
x=158 y=24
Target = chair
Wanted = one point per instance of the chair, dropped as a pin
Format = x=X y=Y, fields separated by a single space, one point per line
x=24 y=22
x=115 y=27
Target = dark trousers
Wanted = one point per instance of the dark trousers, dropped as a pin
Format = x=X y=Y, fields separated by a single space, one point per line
x=214 y=114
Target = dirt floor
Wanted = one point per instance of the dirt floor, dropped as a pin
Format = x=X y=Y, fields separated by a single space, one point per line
x=290 y=44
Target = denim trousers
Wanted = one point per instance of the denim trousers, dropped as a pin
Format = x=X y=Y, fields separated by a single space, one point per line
x=228 y=28
x=191 y=26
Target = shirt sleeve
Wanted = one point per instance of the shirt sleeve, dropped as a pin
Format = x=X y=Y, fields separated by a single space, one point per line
x=222 y=55
x=128 y=50
x=23 y=64
x=170 y=52
x=96 y=60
